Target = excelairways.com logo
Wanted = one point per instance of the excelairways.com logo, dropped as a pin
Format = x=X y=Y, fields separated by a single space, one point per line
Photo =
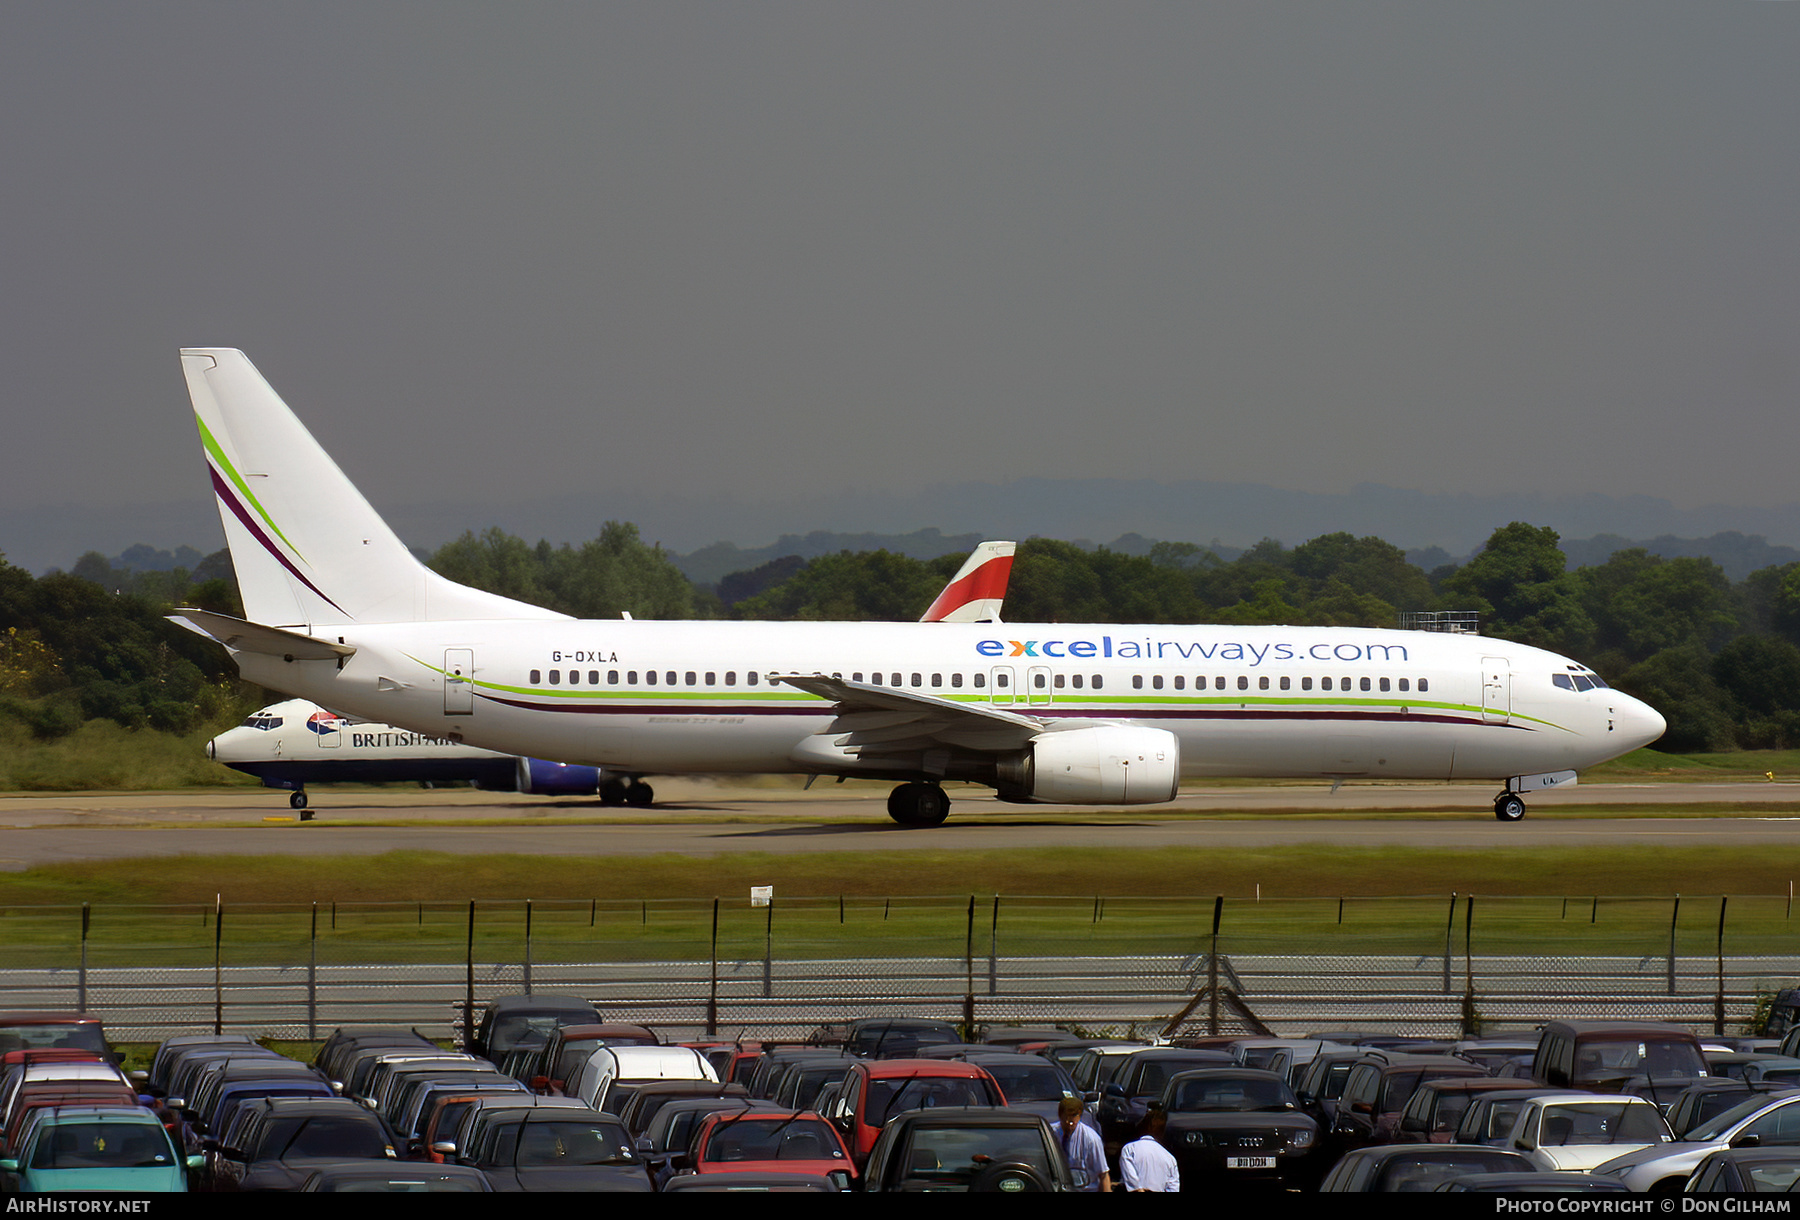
x=1178 y=650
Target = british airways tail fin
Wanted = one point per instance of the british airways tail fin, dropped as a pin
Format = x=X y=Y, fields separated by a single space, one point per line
x=308 y=548
x=976 y=592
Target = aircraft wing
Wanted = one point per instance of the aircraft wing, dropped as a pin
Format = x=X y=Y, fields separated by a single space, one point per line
x=889 y=719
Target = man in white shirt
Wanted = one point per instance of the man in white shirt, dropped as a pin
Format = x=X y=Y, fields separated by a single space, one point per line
x=1144 y=1163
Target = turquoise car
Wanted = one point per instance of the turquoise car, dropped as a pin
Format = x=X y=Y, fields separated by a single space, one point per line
x=95 y=1148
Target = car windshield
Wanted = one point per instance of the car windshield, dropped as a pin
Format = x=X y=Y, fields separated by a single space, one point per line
x=570 y=1143
x=103 y=1146
x=1617 y=1123
x=954 y=1156
x=896 y=1096
x=1411 y=1174
x=1598 y=1059
x=1231 y=1094
x=772 y=1139
x=1022 y=1084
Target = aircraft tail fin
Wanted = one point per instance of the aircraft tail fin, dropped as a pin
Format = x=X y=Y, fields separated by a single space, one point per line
x=308 y=548
x=977 y=591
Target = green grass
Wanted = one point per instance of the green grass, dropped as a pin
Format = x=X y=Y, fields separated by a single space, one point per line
x=101 y=756
x=415 y=905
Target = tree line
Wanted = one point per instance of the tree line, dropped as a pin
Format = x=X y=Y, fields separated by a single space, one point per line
x=1720 y=659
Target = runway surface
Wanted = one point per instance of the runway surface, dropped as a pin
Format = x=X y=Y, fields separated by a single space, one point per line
x=702 y=818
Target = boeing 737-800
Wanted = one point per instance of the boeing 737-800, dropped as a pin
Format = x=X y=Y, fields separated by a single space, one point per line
x=339 y=612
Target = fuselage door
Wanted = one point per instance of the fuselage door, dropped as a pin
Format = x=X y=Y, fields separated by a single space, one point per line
x=459 y=693
x=1037 y=684
x=1000 y=685
x=1496 y=690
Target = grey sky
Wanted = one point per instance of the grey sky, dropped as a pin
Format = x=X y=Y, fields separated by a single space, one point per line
x=756 y=250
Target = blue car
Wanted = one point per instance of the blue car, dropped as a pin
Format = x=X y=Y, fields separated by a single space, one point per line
x=98 y=1148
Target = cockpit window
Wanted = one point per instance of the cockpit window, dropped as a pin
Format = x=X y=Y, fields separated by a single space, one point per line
x=265 y=723
x=1563 y=680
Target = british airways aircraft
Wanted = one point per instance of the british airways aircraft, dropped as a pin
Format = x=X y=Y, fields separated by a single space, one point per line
x=293 y=743
x=339 y=612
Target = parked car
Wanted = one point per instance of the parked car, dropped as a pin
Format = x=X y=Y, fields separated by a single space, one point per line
x=769 y=1141
x=1580 y=1130
x=1413 y=1168
x=878 y=1090
x=1762 y=1120
x=1229 y=1127
x=98 y=1148
x=1746 y=1171
x=978 y=1148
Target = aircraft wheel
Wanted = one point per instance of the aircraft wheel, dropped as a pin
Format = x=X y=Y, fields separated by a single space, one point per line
x=612 y=792
x=639 y=793
x=297 y=800
x=1509 y=807
x=918 y=804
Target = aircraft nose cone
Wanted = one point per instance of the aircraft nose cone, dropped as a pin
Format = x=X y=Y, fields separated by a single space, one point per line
x=1640 y=723
x=212 y=748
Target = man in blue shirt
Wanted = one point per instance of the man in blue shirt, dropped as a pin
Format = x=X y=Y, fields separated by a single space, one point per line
x=1081 y=1145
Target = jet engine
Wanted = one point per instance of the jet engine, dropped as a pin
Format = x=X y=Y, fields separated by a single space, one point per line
x=1105 y=765
x=539 y=778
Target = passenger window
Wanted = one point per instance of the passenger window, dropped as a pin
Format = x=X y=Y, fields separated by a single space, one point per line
x=536 y=676
x=1096 y=681
x=1306 y=684
x=731 y=677
x=980 y=681
x=574 y=677
x=1076 y=679
x=750 y=678
x=1037 y=680
x=1243 y=682
x=1219 y=682
x=712 y=679
x=1178 y=682
x=1403 y=684
x=593 y=677
x=937 y=680
x=1137 y=681
x=1156 y=682
x=955 y=681
x=1384 y=684
x=918 y=679
x=1285 y=681
x=1000 y=681
x=556 y=677
x=857 y=676
x=1424 y=684
x=649 y=677
x=1324 y=683
x=1365 y=684
x=1057 y=681
x=630 y=678
x=896 y=681
x=1262 y=683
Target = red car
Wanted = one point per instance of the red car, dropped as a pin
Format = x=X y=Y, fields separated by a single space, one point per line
x=770 y=1141
x=878 y=1089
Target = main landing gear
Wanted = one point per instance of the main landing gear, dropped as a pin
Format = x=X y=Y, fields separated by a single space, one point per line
x=1509 y=807
x=634 y=792
x=918 y=804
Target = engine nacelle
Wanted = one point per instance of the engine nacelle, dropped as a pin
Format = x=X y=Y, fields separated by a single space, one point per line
x=540 y=778
x=1104 y=765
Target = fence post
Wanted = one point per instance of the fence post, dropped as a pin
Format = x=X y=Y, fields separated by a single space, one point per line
x=1471 y=1023
x=527 y=963
x=1449 y=940
x=968 y=1021
x=218 y=964
x=468 y=1018
x=712 y=994
x=769 y=949
x=1674 y=914
x=1212 y=968
x=81 y=974
x=312 y=978
x=1719 y=957
x=994 y=950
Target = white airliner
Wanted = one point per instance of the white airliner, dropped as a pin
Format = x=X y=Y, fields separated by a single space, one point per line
x=290 y=744
x=1092 y=714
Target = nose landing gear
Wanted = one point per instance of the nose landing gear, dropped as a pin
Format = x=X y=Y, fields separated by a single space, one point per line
x=1509 y=807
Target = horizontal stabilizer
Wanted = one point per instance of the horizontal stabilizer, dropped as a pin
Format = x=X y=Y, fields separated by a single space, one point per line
x=240 y=636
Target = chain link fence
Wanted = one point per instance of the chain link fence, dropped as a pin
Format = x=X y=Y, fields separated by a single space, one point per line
x=1433 y=965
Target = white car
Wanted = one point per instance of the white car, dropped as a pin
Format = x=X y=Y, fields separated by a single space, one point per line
x=1581 y=1130
x=598 y=1081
